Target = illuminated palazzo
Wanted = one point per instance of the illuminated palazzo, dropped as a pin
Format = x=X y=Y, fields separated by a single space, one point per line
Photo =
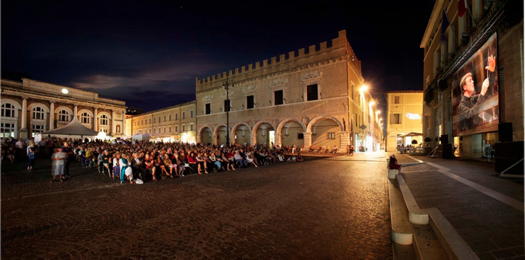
x=30 y=107
x=170 y=124
x=458 y=45
x=307 y=98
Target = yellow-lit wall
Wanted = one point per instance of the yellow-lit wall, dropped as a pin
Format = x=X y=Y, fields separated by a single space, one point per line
x=409 y=103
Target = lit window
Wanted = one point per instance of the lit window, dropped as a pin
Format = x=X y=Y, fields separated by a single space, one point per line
x=85 y=118
x=331 y=135
x=104 y=120
x=395 y=119
x=8 y=110
x=7 y=129
x=37 y=129
x=63 y=116
x=38 y=113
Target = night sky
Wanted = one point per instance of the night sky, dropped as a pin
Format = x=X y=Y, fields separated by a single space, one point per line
x=148 y=53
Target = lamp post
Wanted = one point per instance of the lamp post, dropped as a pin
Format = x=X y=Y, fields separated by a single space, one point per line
x=362 y=89
x=227 y=108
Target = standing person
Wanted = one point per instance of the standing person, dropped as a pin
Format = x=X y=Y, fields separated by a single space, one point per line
x=123 y=162
x=105 y=162
x=116 y=166
x=351 y=150
x=69 y=157
x=58 y=161
x=31 y=155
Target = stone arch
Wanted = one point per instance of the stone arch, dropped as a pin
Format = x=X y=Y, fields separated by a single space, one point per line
x=255 y=129
x=243 y=134
x=14 y=104
x=282 y=124
x=316 y=119
x=219 y=135
x=101 y=127
x=207 y=138
x=65 y=108
x=38 y=115
x=326 y=132
x=90 y=114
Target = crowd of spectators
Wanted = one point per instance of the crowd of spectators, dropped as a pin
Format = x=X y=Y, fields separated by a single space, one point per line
x=138 y=162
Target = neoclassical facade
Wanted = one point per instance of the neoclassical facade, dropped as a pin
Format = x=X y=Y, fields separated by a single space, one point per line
x=30 y=107
x=172 y=124
x=308 y=98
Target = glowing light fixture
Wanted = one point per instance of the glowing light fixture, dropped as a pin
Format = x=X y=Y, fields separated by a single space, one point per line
x=65 y=91
x=372 y=103
x=363 y=88
x=413 y=116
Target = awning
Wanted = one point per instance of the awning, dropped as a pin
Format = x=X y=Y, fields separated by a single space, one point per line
x=73 y=128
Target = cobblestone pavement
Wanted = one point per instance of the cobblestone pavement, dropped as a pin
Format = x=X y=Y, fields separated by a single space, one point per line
x=492 y=229
x=324 y=208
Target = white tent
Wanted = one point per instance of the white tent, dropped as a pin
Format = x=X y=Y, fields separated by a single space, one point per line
x=141 y=137
x=74 y=128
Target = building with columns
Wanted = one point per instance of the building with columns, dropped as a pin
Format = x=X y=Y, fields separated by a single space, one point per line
x=30 y=107
x=171 y=124
x=308 y=98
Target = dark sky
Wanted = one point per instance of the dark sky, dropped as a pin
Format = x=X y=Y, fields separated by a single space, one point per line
x=148 y=53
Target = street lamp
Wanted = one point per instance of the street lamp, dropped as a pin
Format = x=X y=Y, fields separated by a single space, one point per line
x=227 y=108
x=363 y=89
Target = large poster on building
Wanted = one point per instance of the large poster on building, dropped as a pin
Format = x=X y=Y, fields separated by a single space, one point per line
x=475 y=92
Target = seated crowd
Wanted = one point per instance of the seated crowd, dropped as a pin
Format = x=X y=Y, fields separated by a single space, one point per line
x=137 y=162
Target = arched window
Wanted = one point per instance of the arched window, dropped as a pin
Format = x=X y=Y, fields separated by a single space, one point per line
x=8 y=110
x=85 y=118
x=104 y=120
x=63 y=116
x=38 y=113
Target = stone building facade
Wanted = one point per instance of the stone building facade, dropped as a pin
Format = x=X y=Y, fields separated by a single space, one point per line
x=404 y=118
x=30 y=107
x=309 y=97
x=172 y=124
x=456 y=34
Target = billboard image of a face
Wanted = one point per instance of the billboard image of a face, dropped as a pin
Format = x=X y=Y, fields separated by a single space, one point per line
x=475 y=92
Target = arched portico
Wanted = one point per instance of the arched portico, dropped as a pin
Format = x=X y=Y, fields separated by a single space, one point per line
x=240 y=134
x=290 y=132
x=327 y=132
x=205 y=135
x=263 y=133
x=219 y=135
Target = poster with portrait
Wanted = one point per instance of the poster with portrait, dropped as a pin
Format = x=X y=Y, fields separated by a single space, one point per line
x=475 y=92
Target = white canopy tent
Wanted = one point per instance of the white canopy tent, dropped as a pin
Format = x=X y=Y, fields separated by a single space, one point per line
x=73 y=129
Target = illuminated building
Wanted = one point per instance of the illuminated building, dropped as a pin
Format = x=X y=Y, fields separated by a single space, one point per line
x=30 y=107
x=459 y=42
x=404 y=119
x=170 y=124
x=307 y=98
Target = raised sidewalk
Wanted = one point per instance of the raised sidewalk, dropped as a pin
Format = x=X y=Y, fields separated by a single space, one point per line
x=485 y=210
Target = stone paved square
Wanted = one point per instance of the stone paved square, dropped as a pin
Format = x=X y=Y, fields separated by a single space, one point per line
x=322 y=208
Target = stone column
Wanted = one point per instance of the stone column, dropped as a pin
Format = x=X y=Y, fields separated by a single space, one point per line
x=75 y=111
x=51 y=115
x=307 y=140
x=123 y=125
x=112 y=126
x=23 y=123
x=95 y=119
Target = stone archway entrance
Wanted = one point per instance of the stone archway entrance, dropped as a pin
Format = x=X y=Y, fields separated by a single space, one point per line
x=206 y=136
x=326 y=133
x=241 y=134
x=292 y=133
x=264 y=134
x=220 y=134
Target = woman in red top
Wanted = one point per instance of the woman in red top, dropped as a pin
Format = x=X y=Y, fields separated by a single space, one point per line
x=192 y=161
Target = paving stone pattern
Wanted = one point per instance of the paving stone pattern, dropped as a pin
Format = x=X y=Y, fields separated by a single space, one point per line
x=315 y=209
x=492 y=229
